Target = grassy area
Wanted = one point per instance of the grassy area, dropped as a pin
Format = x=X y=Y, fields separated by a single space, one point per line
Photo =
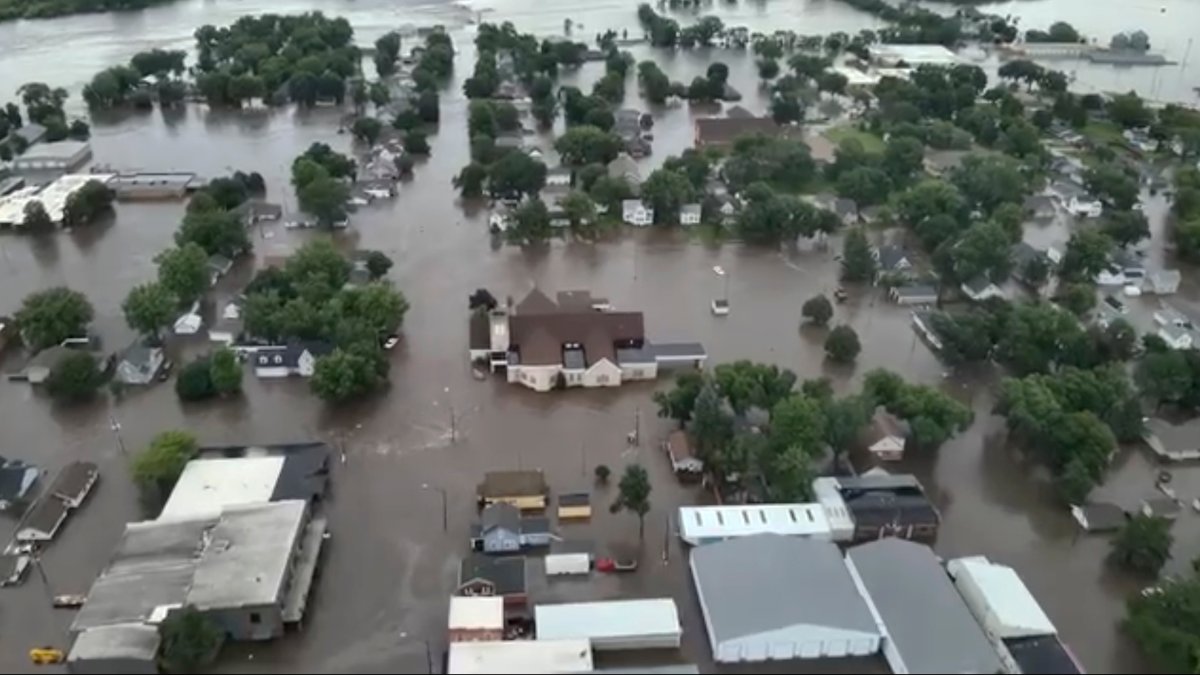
x=870 y=142
x=1103 y=132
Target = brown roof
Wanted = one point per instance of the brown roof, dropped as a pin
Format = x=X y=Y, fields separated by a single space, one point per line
x=725 y=130
x=577 y=300
x=540 y=338
x=74 y=481
x=536 y=302
x=480 y=332
x=678 y=445
x=512 y=484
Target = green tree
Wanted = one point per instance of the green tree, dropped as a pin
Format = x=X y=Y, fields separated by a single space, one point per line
x=183 y=272
x=225 y=371
x=367 y=129
x=1126 y=227
x=1086 y=256
x=768 y=69
x=842 y=345
x=48 y=317
x=666 y=192
x=581 y=212
x=470 y=180
x=634 y=495
x=190 y=641
x=75 y=377
x=679 y=402
x=982 y=250
x=325 y=198
x=866 y=185
x=712 y=427
x=1165 y=624
x=36 y=219
x=1143 y=545
x=655 y=84
x=416 y=143
x=587 y=144
x=1113 y=184
x=530 y=224
x=149 y=308
x=858 y=264
x=987 y=181
x=903 y=157
x=1079 y=298
x=609 y=191
x=215 y=231
x=387 y=50
x=818 y=310
x=515 y=175
x=87 y=203
x=1129 y=111
x=845 y=419
x=344 y=375
x=1035 y=336
x=378 y=264
x=1164 y=376
x=194 y=382
x=161 y=463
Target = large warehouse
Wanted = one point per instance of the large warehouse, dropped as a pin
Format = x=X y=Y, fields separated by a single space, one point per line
x=706 y=524
x=777 y=597
x=615 y=624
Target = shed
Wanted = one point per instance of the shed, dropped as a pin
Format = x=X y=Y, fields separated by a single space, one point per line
x=520 y=656
x=774 y=597
x=612 y=625
x=121 y=648
x=705 y=524
x=1099 y=517
x=999 y=599
x=926 y=626
x=917 y=294
x=683 y=458
x=886 y=436
x=476 y=618
x=525 y=490
x=574 y=506
x=558 y=564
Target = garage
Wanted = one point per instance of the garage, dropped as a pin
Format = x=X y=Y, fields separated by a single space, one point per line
x=772 y=597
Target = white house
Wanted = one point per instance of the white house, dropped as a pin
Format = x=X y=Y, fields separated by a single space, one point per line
x=886 y=436
x=981 y=288
x=295 y=359
x=635 y=212
x=140 y=364
x=558 y=177
x=769 y=597
x=499 y=219
x=689 y=214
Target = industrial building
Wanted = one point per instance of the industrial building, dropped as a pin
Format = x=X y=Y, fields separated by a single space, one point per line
x=59 y=156
x=926 y=625
x=130 y=648
x=891 y=55
x=705 y=524
x=53 y=197
x=253 y=475
x=612 y=625
x=772 y=597
x=249 y=568
x=520 y=656
x=150 y=186
x=1023 y=636
x=476 y=619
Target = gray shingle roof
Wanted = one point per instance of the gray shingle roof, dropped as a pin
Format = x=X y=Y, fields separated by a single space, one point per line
x=770 y=582
x=925 y=617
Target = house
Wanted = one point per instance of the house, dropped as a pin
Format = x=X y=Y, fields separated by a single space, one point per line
x=1077 y=200
x=1161 y=507
x=923 y=322
x=1099 y=517
x=38 y=368
x=939 y=163
x=298 y=358
x=519 y=656
x=190 y=322
x=560 y=563
x=721 y=132
x=553 y=199
x=484 y=575
x=926 y=625
x=1024 y=257
x=503 y=530
x=1140 y=141
x=525 y=490
x=140 y=363
x=1124 y=268
x=574 y=506
x=544 y=345
x=867 y=507
x=1023 y=636
x=218 y=266
x=475 y=618
x=635 y=212
x=1040 y=207
x=1174 y=327
x=16 y=480
x=74 y=483
x=689 y=214
x=728 y=210
x=846 y=210
x=248 y=568
x=770 y=597
x=886 y=436
x=892 y=260
x=229 y=326
x=683 y=457
x=612 y=625
x=981 y=288
x=1173 y=441
x=919 y=294
x=702 y=525
x=123 y=648
x=626 y=168
x=30 y=132
x=1162 y=282
x=559 y=176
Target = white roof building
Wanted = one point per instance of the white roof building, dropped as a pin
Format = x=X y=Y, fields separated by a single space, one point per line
x=520 y=656
x=615 y=624
x=53 y=197
x=913 y=55
x=208 y=485
x=705 y=524
x=476 y=613
x=998 y=599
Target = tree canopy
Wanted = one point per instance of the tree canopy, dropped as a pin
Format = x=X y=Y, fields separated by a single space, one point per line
x=634 y=494
x=160 y=464
x=1143 y=545
x=75 y=377
x=48 y=317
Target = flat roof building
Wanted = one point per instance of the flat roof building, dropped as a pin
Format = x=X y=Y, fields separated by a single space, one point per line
x=122 y=648
x=774 y=597
x=613 y=624
x=53 y=197
x=477 y=618
x=59 y=156
x=520 y=657
x=913 y=55
x=237 y=475
x=926 y=625
x=705 y=524
x=133 y=186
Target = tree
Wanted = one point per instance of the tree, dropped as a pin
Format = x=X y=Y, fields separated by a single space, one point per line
x=194 y=382
x=387 y=50
x=516 y=174
x=808 y=67
x=982 y=250
x=580 y=212
x=225 y=372
x=1079 y=298
x=587 y=144
x=1086 y=255
x=902 y=158
x=530 y=224
x=1164 y=376
x=367 y=129
x=36 y=218
x=1129 y=111
x=845 y=419
x=216 y=231
x=1143 y=545
x=48 y=317
x=75 y=377
x=842 y=345
x=416 y=143
x=161 y=463
x=712 y=427
x=378 y=264
x=1126 y=227
x=470 y=180
x=183 y=272
x=866 y=185
x=680 y=401
x=987 y=181
x=768 y=69
x=858 y=264
x=325 y=198
x=609 y=191
x=634 y=495
x=654 y=82
x=190 y=641
x=786 y=108
x=746 y=384
x=149 y=308
x=1164 y=623
x=666 y=192
x=344 y=375
x=1035 y=336
x=87 y=203
x=936 y=209
x=818 y=310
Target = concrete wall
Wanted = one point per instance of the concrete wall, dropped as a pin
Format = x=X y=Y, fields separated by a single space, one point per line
x=106 y=666
x=264 y=622
x=639 y=371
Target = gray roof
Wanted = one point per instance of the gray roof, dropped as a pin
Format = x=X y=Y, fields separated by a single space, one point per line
x=1022 y=253
x=915 y=291
x=1174 y=437
x=979 y=284
x=501 y=515
x=693 y=209
x=890 y=257
x=247 y=556
x=768 y=582
x=926 y=619
x=667 y=349
x=32 y=132
x=845 y=207
x=134 y=641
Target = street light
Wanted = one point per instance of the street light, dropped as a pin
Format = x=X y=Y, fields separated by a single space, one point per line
x=445 y=518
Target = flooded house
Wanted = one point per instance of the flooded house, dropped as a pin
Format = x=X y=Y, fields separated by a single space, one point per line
x=866 y=507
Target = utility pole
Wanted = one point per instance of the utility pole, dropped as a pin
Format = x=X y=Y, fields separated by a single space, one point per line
x=115 y=427
x=637 y=426
x=453 y=426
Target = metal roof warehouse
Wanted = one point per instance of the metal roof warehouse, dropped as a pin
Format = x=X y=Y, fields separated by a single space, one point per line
x=705 y=524
x=616 y=624
x=520 y=656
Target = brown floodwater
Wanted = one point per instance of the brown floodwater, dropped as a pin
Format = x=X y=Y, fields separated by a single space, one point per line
x=389 y=566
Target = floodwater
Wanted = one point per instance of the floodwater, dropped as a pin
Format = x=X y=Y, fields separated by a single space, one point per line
x=389 y=565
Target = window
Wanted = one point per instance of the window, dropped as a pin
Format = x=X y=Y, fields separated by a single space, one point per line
x=255 y=618
x=278 y=359
x=602 y=379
